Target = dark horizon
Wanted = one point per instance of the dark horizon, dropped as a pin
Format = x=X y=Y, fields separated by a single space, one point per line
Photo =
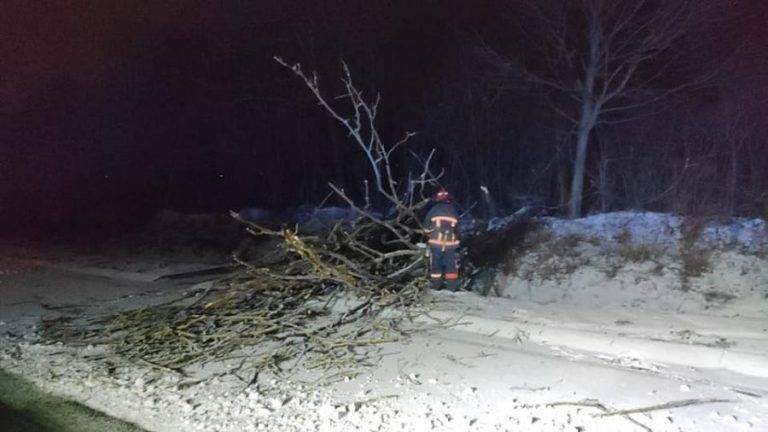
x=114 y=111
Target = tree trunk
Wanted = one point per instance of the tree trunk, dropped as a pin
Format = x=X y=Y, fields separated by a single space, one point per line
x=605 y=198
x=562 y=178
x=587 y=118
x=586 y=123
x=732 y=184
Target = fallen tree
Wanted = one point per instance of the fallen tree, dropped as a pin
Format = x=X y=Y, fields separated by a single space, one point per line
x=274 y=316
x=375 y=253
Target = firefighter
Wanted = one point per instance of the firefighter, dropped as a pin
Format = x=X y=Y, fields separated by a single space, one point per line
x=442 y=223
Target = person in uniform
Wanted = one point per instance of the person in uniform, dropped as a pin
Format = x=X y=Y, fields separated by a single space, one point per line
x=442 y=223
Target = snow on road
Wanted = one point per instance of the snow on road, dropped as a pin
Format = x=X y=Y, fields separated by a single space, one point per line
x=447 y=379
x=608 y=313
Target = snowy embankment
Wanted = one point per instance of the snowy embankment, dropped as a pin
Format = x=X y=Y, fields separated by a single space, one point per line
x=646 y=261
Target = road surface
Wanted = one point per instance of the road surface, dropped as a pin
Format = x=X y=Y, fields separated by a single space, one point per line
x=458 y=378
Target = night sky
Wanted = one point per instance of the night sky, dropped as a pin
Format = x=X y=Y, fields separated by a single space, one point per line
x=112 y=110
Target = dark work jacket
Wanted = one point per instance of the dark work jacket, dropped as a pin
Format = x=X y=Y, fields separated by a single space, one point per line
x=442 y=221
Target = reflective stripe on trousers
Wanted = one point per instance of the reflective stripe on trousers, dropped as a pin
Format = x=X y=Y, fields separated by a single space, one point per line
x=444 y=263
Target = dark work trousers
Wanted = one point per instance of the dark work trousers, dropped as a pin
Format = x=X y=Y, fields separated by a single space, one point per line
x=444 y=268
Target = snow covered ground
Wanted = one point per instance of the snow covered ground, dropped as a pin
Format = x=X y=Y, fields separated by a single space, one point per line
x=644 y=261
x=592 y=320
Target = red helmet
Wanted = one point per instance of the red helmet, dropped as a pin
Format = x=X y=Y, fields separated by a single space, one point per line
x=442 y=195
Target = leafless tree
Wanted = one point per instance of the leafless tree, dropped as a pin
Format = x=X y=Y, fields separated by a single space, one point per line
x=601 y=58
x=406 y=195
x=379 y=252
x=490 y=130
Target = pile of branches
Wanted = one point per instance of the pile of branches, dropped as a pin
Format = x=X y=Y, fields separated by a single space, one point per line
x=275 y=316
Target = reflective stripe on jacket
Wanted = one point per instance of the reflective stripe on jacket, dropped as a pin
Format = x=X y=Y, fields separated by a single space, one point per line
x=443 y=223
